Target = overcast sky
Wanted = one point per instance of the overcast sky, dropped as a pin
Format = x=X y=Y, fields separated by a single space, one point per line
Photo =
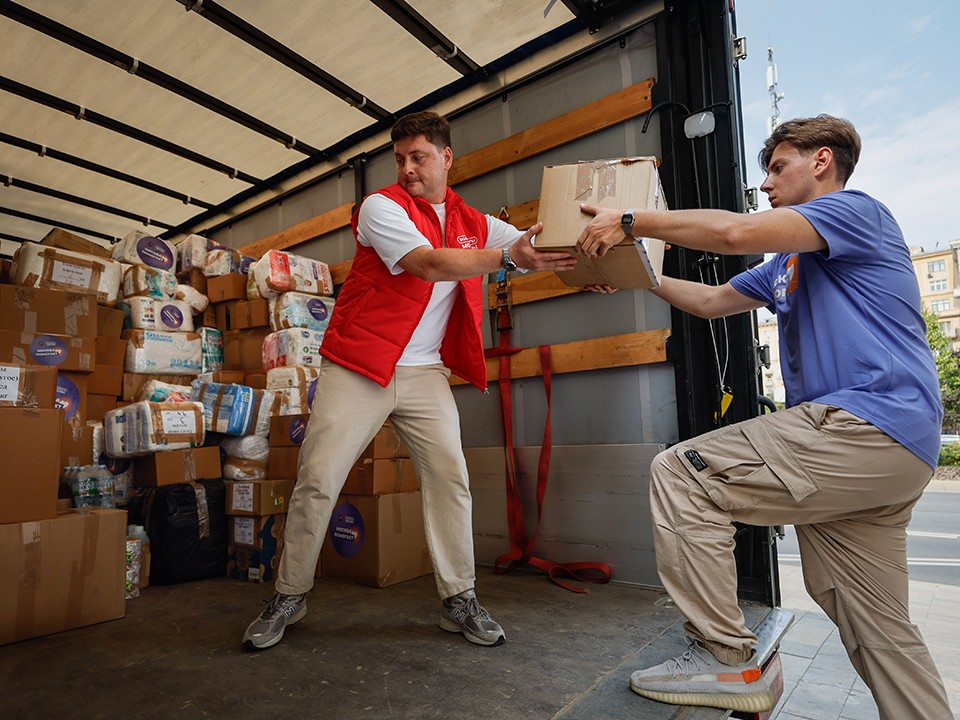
x=890 y=67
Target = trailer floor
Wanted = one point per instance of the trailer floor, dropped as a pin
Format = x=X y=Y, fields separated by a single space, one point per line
x=359 y=653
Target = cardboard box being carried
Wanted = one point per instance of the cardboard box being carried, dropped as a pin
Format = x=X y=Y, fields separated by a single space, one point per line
x=30 y=448
x=62 y=573
x=376 y=540
x=622 y=183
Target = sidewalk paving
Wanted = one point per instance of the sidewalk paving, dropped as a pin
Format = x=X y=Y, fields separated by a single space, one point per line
x=820 y=682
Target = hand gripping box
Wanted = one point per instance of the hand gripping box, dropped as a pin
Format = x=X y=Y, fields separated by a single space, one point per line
x=621 y=183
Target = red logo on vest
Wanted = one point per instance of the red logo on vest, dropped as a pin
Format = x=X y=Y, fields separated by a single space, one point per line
x=467 y=243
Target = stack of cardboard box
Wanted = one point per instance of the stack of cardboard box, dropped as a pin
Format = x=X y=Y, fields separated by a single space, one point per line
x=257 y=518
x=48 y=354
x=376 y=534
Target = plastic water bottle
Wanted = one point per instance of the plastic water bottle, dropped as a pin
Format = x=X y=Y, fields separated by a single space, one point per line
x=137 y=531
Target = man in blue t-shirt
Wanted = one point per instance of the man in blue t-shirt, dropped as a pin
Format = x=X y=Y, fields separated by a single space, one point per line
x=845 y=462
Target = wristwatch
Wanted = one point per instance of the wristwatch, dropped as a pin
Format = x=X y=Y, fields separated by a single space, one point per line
x=507 y=262
x=626 y=222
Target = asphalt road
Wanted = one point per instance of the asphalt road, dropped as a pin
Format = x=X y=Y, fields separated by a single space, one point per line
x=933 y=540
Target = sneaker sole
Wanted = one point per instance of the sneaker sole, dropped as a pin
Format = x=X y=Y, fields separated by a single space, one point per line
x=295 y=618
x=747 y=702
x=451 y=626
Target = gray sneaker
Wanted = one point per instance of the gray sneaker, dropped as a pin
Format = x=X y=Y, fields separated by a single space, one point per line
x=463 y=614
x=698 y=678
x=267 y=630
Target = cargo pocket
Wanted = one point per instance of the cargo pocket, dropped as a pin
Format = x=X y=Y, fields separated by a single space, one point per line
x=740 y=466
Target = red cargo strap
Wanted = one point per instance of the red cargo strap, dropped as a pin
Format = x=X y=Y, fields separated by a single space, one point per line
x=521 y=547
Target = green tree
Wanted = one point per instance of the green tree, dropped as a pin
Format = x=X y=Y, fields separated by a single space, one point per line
x=948 y=368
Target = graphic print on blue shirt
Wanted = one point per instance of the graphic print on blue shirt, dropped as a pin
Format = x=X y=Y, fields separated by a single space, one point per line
x=786 y=282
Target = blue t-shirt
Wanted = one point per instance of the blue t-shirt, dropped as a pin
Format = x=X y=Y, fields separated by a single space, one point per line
x=851 y=333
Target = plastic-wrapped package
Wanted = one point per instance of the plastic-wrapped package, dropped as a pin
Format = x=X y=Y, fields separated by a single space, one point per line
x=145 y=427
x=43 y=266
x=299 y=310
x=247 y=457
x=133 y=559
x=279 y=272
x=226 y=261
x=197 y=301
x=212 y=352
x=252 y=292
x=293 y=386
x=120 y=468
x=147 y=313
x=293 y=346
x=158 y=391
x=145 y=281
x=192 y=252
x=162 y=353
x=234 y=409
x=91 y=486
x=138 y=247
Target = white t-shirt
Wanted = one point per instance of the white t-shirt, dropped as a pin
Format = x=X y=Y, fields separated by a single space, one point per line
x=385 y=226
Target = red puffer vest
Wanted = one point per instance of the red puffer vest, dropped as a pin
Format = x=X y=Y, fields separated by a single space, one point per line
x=376 y=312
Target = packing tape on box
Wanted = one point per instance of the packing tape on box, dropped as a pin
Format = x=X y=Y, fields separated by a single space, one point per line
x=189 y=466
x=29 y=578
x=236 y=468
x=597 y=180
x=397 y=475
x=79 y=306
x=51 y=257
x=203 y=513
x=82 y=569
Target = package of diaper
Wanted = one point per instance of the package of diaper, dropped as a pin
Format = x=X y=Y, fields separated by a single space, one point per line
x=293 y=346
x=42 y=266
x=145 y=281
x=155 y=352
x=298 y=310
x=140 y=248
x=279 y=272
x=192 y=252
x=234 y=409
x=292 y=386
x=145 y=427
x=197 y=301
x=212 y=342
x=147 y=313
x=159 y=391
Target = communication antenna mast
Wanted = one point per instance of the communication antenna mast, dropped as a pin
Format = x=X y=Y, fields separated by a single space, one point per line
x=775 y=95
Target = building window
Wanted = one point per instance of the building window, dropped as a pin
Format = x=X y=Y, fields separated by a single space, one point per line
x=936 y=266
x=939 y=306
x=938 y=285
x=945 y=328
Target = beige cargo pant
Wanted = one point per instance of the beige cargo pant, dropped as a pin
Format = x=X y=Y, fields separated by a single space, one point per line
x=347 y=411
x=850 y=490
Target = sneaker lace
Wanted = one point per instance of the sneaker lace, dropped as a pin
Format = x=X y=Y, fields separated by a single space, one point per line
x=475 y=609
x=277 y=605
x=687 y=664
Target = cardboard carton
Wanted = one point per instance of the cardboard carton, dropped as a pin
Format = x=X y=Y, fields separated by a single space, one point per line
x=195 y=278
x=258 y=497
x=254 y=564
x=61 y=573
x=256 y=532
x=109 y=321
x=287 y=430
x=99 y=405
x=60 y=351
x=386 y=444
x=72 y=396
x=227 y=287
x=42 y=310
x=621 y=183
x=76 y=444
x=243 y=314
x=30 y=448
x=243 y=349
x=68 y=241
x=282 y=463
x=110 y=351
x=379 y=477
x=28 y=386
x=176 y=466
x=376 y=540
x=106 y=380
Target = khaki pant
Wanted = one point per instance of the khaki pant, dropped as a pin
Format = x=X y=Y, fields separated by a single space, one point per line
x=849 y=489
x=347 y=411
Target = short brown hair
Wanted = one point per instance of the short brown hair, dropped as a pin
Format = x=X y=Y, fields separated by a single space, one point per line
x=810 y=134
x=433 y=126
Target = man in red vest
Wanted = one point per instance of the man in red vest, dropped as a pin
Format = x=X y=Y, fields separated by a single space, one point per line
x=408 y=314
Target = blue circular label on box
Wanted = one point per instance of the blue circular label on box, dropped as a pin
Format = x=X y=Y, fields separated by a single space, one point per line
x=318 y=308
x=171 y=316
x=245 y=262
x=154 y=252
x=311 y=391
x=297 y=429
x=68 y=396
x=346 y=530
x=48 y=350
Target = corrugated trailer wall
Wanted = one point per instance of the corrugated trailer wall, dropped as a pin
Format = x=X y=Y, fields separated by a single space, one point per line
x=607 y=424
